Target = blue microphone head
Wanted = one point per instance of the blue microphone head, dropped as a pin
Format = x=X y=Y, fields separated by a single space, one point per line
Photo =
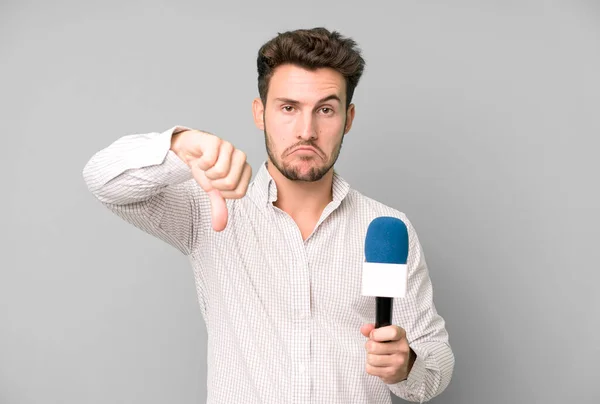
x=386 y=241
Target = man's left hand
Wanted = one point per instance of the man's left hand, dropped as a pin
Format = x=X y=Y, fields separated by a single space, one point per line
x=388 y=355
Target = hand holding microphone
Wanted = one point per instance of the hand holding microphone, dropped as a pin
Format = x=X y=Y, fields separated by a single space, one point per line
x=217 y=166
x=385 y=276
x=388 y=354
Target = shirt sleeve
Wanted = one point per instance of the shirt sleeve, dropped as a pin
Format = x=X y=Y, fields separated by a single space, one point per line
x=141 y=180
x=425 y=330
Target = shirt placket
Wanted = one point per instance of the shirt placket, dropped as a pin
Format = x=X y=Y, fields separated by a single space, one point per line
x=300 y=289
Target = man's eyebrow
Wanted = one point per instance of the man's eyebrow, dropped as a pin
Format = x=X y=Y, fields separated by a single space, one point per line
x=295 y=102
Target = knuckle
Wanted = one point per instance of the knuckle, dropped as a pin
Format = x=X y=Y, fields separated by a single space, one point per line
x=247 y=174
x=228 y=184
x=240 y=154
x=210 y=137
x=209 y=157
x=214 y=144
x=218 y=172
x=242 y=191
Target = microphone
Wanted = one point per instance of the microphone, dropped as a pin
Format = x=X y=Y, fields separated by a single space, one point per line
x=385 y=273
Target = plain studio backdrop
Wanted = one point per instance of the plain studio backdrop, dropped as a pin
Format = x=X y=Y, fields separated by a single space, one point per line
x=478 y=119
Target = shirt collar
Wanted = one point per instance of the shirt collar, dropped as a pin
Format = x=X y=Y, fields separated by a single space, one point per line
x=264 y=189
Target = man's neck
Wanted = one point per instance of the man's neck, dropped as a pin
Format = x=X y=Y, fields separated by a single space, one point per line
x=302 y=199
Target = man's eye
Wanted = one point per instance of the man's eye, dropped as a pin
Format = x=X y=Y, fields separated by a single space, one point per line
x=288 y=108
x=327 y=111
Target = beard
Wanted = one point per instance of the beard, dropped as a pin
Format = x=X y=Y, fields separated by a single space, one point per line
x=292 y=172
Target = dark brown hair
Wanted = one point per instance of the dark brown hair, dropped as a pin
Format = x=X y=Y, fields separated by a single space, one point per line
x=311 y=49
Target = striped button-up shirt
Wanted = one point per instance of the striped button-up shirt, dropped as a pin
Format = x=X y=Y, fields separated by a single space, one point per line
x=282 y=314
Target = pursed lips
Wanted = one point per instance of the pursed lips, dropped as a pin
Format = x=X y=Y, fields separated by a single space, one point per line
x=305 y=148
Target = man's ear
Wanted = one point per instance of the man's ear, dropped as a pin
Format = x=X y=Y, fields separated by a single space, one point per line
x=349 y=117
x=258 y=110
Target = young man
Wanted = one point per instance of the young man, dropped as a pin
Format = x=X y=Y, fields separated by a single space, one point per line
x=278 y=261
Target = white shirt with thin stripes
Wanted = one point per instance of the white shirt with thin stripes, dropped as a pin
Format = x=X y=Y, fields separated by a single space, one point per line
x=282 y=314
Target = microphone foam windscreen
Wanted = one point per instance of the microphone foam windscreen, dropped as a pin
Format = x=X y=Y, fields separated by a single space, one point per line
x=386 y=241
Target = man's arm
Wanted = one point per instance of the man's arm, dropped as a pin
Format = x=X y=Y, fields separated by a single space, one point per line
x=433 y=365
x=141 y=179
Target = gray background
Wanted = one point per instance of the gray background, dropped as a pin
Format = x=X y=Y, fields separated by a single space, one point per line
x=478 y=119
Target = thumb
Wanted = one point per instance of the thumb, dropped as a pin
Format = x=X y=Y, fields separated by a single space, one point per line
x=218 y=209
x=366 y=329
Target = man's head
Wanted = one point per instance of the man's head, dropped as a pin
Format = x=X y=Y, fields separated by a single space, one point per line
x=306 y=80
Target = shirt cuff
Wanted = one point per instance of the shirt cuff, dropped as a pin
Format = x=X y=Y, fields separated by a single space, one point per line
x=154 y=150
x=157 y=151
x=412 y=388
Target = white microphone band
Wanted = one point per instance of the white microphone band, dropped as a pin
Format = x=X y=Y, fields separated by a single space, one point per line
x=384 y=280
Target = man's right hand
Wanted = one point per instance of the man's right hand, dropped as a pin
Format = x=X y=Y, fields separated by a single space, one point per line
x=218 y=167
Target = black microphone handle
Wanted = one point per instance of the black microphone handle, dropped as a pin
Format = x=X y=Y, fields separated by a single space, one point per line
x=383 y=311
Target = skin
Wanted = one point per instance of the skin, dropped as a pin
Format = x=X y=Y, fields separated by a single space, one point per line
x=304 y=121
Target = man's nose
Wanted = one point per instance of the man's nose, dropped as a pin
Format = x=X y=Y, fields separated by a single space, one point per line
x=307 y=130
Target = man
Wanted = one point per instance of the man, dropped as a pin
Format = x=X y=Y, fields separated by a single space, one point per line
x=278 y=261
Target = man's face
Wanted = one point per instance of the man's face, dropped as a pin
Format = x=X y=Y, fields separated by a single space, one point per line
x=304 y=120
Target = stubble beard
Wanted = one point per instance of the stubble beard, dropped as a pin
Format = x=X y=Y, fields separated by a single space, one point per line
x=292 y=172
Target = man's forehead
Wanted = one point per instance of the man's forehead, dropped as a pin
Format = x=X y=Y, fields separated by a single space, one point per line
x=296 y=83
